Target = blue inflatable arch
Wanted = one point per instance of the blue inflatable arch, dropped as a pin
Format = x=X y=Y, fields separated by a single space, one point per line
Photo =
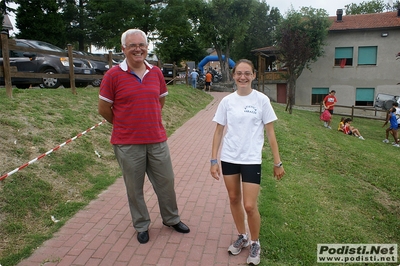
x=209 y=58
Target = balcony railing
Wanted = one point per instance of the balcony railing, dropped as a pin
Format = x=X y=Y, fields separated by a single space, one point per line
x=270 y=77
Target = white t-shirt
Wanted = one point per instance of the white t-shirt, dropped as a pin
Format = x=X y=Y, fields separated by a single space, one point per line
x=245 y=117
x=398 y=114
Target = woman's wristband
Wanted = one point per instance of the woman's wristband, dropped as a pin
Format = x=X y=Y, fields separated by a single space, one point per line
x=213 y=162
x=278 y=164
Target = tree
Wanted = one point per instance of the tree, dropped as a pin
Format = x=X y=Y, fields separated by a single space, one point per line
x=40 y=20
x=175 y=39
x=260 y=33
x=221 y=29
x=300 y=38
x=110 y=19
x=373 y=6
x=76 y=21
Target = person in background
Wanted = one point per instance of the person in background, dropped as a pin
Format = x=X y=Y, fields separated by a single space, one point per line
x=396 y=105
x=208 y=81
x=194 y=77
x=246 y=113
x=131 y=98
x=341 y=124
x=348 y=129
x=329 y=104
x=393 y=128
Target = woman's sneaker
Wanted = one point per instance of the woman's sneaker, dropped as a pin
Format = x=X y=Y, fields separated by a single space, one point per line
x=237 y=246
x=385 y=141
x=254 y=255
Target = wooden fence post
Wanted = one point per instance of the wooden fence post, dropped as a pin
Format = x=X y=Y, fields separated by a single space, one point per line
x=110 y=59
x=6 y=64
x=71 y=69
x=174 y=73
x=187 y=75
x=352 y=112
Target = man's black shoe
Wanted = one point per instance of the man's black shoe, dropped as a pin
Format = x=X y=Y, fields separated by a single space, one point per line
x=143 y=237
x=179 y=227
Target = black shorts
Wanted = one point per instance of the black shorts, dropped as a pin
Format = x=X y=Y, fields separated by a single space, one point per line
x=251 y=173
x=208 y=83
x=331 y=112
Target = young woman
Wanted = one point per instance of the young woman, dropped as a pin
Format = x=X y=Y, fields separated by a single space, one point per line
x=245 y=113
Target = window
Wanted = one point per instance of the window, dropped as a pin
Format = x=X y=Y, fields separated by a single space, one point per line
x=367 y=55
x=343 y=56
x=14 y=53
x=365 y=96
x=318 y=95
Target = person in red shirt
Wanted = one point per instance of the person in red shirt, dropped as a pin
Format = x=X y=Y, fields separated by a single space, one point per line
x=131 y=98
x=348 y=129
x=329 y=103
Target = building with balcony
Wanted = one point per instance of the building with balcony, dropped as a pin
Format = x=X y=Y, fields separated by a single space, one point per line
x=359 y=62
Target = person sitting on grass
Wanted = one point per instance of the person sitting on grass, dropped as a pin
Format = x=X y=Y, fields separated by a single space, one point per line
x=391 y=117
x=341 y=124
x=348 y=129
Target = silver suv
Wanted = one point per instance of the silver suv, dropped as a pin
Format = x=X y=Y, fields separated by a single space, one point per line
x=33 y=62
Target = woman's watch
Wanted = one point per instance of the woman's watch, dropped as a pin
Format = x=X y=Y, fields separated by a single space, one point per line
x=278 y=164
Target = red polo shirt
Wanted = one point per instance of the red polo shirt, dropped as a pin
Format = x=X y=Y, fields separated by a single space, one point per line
x=135 y=104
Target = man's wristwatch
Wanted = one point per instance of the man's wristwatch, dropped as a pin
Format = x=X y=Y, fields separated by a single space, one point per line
x=278 y=164
x=213 y=162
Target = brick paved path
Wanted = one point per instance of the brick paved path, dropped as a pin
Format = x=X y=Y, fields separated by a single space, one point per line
x=102 y=233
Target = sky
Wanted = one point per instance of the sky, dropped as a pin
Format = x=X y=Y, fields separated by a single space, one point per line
x=329 y=5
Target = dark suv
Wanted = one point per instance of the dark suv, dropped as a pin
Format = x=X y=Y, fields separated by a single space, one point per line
x=100 y=64
x=33 y=62
x=168 y=70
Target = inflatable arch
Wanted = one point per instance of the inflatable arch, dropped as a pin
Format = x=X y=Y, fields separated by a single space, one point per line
x=208 y=58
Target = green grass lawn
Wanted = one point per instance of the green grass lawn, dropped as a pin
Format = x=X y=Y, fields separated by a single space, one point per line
x=338 y=189
x=36 y=121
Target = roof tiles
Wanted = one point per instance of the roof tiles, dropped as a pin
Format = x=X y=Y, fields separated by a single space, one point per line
x=366 y=21
x=387 y=20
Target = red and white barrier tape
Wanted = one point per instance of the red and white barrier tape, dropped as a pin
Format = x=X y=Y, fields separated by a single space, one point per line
x=50 y=151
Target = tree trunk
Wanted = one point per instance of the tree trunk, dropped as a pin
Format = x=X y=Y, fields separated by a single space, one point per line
x=224 y=63
x=291 y=88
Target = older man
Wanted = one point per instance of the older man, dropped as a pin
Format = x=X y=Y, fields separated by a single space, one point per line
x=131 y=98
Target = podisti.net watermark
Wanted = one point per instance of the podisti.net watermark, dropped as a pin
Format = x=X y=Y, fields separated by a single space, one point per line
x=356 y=253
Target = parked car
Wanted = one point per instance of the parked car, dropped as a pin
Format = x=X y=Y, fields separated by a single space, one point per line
x=33 y=62
x=152 y=59
x=167 y=70
x=100 y=66
x=385 y=101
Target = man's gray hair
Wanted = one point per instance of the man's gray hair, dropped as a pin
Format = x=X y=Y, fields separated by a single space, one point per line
x=132 y=31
